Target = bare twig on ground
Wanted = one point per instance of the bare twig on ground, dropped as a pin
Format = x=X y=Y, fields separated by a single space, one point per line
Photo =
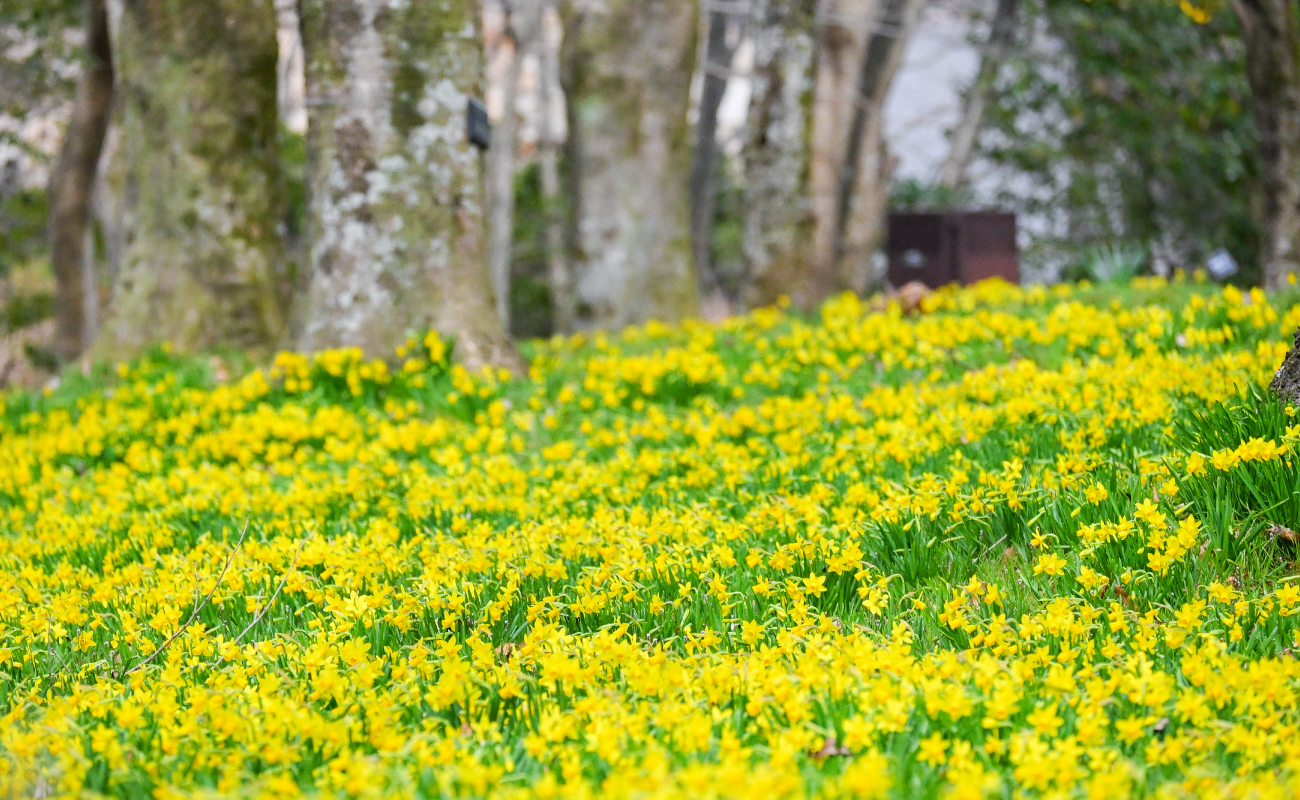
x=198 y=605
x=270 y=602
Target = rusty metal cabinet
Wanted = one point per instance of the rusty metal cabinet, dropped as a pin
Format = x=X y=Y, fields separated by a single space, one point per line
x=938 y=248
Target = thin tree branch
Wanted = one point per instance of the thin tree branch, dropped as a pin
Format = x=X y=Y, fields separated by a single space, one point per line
x=195 y=613
x=996 y=52
x=270 y=602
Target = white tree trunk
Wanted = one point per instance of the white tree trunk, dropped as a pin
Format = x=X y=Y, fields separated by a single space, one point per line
x=396 y=234
x=777 y=208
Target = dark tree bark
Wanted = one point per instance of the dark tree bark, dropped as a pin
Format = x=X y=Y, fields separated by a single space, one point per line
x=996 y=51
x=395 y=190
x=198 y=172
x=1286 y=381
x=72 y=185
x=629 y=65
x=1270 y=31
x=718 y=300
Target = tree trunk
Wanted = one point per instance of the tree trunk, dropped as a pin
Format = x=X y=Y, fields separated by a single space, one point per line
x=395 y=192
x=197 y=173
x=879 y=62
x=504 y=54
x=291 y=85
x=777 y=208
x=1270 y=31
x=200 y=178
x=843 y=241
x=1286 y=381
x=996 y=51
x=629 y=65
x=548 y=145
x=72 y=185
x=719 y=300
x=840 y=28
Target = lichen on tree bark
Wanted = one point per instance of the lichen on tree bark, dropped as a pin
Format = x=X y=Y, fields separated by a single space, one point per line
x=395 y=229
x=199 y=177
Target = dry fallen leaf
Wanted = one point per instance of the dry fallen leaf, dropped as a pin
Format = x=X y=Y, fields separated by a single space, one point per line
x=830 y=748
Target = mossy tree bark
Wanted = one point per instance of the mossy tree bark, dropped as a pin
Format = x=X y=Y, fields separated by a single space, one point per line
x=198 y=173
x=627 y=75
x=395 y=192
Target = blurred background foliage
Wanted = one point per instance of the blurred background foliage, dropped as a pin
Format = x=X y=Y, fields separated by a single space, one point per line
x=40 y=43
x=1131 y=124
x=1123 y=132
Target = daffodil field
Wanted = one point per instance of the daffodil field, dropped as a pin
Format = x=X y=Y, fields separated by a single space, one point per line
x=1030 y=542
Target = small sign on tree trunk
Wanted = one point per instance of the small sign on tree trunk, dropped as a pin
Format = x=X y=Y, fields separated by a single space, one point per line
x=477 y=126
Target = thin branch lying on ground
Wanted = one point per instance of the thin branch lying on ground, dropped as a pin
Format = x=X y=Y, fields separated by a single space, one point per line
x=271 y=602
x=198 y=606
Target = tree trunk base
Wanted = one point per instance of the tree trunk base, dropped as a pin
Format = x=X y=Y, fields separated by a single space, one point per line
x=1286 y=382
